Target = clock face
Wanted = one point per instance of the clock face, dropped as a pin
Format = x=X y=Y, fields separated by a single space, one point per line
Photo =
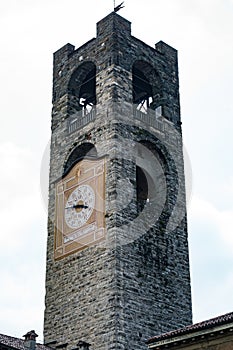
x=79 y=206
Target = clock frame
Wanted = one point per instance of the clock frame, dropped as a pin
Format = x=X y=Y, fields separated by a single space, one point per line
x=73 y=194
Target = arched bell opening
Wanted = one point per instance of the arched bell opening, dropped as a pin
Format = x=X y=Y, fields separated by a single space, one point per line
x=82 y=89
x=147 y=88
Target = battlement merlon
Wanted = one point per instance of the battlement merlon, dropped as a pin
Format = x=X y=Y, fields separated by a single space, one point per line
x=113 y=23
x=170 y=53
x=61 y=55
x=166 y=49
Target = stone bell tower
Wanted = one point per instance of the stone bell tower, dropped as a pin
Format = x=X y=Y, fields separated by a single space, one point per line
x=117 y=252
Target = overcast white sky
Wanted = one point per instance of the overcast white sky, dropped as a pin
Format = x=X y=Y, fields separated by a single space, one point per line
x=31 y=30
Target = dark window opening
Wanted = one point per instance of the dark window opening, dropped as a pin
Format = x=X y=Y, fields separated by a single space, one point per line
x=142 y=91
x=87 y=95
x=82 y=89
x=147 y=88
x=87 y=150
x=142 y=188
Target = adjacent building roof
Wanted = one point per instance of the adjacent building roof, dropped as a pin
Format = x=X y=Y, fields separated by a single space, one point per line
x=217 y=324
x=16 y=343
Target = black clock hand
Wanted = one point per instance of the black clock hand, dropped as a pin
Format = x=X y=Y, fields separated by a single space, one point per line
x=78 y=206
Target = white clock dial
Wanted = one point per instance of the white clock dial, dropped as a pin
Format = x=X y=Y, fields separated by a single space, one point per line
x=79 y=206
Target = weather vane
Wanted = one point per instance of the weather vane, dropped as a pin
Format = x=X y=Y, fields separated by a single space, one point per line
x=118 y=7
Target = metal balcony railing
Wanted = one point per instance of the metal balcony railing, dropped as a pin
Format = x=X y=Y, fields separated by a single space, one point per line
x=150 y=118
x=80 y=119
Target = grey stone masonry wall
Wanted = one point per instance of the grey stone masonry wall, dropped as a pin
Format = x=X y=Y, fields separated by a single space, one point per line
x=135 y=283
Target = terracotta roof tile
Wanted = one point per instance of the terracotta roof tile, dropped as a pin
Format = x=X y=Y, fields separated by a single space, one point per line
x=216 y=321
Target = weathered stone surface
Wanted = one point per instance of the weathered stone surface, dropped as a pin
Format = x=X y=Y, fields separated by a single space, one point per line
x=136 y=283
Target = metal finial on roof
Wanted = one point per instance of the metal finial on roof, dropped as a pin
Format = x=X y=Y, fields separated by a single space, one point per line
x=118 y=7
